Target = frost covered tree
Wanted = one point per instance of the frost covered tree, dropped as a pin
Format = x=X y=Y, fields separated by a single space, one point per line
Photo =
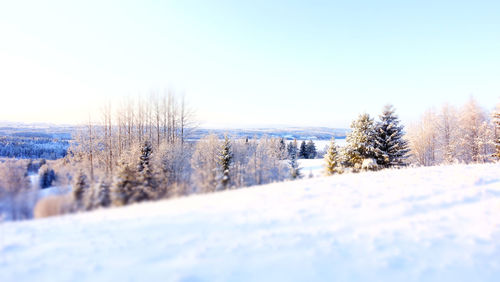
x=447 y=134
x=124 y=184
x=423 y=140
x=173 y=161
x=226 y=159
x=496 y=124
x=476 y=133
x=332 y=160
x=80 y=187
x=16 y=197
x=148 y=186
x=303 y=150
x=102 y=196
x=46 y=176
x=205 y=164
x=264 y=164
x=293 y=162
x=390 y=148
x=360 y=141
x=311 y=150
x=282 y=149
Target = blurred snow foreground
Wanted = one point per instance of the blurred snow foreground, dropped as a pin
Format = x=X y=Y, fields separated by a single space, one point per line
x=420 y=224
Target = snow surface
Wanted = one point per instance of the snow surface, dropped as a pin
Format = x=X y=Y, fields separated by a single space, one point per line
x=314 y=167
x=421 y=224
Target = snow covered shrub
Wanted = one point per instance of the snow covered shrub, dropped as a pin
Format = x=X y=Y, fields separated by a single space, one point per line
x=53 y=205
x=16 y=196
x=369 y=164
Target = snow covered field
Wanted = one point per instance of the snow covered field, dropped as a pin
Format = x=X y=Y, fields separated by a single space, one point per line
x=423 y=224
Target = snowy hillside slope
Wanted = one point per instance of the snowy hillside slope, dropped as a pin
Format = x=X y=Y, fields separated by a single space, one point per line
x=422 y=224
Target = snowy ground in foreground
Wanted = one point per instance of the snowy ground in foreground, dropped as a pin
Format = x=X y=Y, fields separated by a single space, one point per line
x=424 y=224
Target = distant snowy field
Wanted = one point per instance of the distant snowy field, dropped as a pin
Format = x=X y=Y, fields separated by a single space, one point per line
x=422 y=224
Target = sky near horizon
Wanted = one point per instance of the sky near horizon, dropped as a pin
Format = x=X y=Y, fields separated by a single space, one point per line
x=248 y=63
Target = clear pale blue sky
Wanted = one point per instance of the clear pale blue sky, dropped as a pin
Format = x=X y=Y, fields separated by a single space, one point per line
x=244 y=63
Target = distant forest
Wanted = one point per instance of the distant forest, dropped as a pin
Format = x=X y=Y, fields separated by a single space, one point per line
x=52 y=143
x=21 y=144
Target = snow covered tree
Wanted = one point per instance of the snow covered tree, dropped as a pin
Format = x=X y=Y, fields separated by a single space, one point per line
x=282 y=149
x=447 y=134
x=311 y=150
x=476 y=134
x=80 y=187
x=173 y=159
x=124 y=185
x=102 y=195
x=292 y=162
x=360 y=141
x=303 y=150
x=205 y=162
x=424 y=140
x=332 y=160
x=16 y=197
x=496 y=124
x=46 y=176
x=147 y=188
x=226 y=159
x=390 y=148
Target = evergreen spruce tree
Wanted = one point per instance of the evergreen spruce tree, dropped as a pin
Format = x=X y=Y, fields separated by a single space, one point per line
x=147 y=188
x=311 y=150
x=80 y=187
x=360 y=141
x=303 y=150
x=390 y=147
x=332 y=160
x=90 y=198
x=124 y=185
x=46 y=176
x=102 y=198
x=282 y=149
x=225 y=160
x=293 y=163
x=290 y=148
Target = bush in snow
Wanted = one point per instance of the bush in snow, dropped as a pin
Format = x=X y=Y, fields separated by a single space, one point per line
x=369 y=164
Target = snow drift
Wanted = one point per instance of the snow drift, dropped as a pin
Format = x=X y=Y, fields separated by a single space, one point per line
x=422 y=224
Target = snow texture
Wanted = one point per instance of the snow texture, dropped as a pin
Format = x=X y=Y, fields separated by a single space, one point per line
x=418 y=224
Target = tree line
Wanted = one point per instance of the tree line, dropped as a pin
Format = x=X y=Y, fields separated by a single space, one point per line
x=468 y=134
x=141 y=151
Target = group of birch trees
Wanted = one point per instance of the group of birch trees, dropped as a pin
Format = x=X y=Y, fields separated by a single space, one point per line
x=468 y=134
